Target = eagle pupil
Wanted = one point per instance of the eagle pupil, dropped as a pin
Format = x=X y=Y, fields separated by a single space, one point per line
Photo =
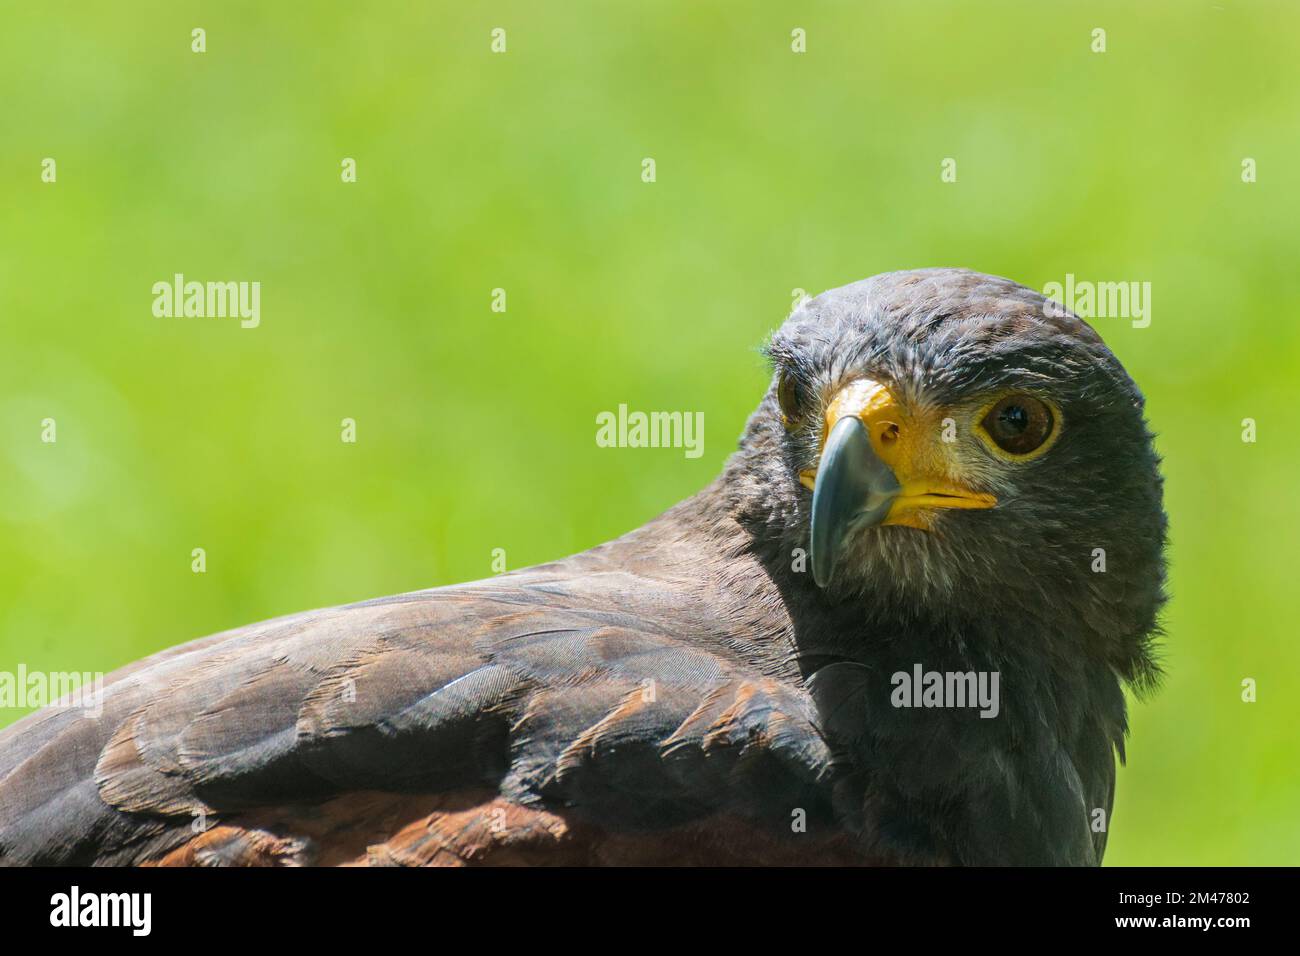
x=1013 y=419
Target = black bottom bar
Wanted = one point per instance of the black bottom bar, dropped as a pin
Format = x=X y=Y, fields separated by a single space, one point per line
x=334 y=907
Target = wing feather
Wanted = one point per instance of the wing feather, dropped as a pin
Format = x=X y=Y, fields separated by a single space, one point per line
x=545 y=694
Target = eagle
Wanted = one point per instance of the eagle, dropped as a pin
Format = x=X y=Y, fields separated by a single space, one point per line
x=897 y=629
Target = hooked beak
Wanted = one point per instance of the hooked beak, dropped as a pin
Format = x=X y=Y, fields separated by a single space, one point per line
x=878 y=466
x=853 y=487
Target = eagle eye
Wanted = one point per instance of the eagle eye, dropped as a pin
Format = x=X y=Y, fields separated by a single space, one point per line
x=787 y=395
x=1019 y=424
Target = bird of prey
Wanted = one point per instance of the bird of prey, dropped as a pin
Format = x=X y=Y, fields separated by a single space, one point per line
x=896 y=629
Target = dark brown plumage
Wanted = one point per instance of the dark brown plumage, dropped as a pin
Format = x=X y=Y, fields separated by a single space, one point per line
x=686 y=693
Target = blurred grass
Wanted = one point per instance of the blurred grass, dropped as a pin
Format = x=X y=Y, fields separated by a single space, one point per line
x=475 y=429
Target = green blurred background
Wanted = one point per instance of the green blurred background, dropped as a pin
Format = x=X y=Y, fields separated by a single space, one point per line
x=775 y=172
